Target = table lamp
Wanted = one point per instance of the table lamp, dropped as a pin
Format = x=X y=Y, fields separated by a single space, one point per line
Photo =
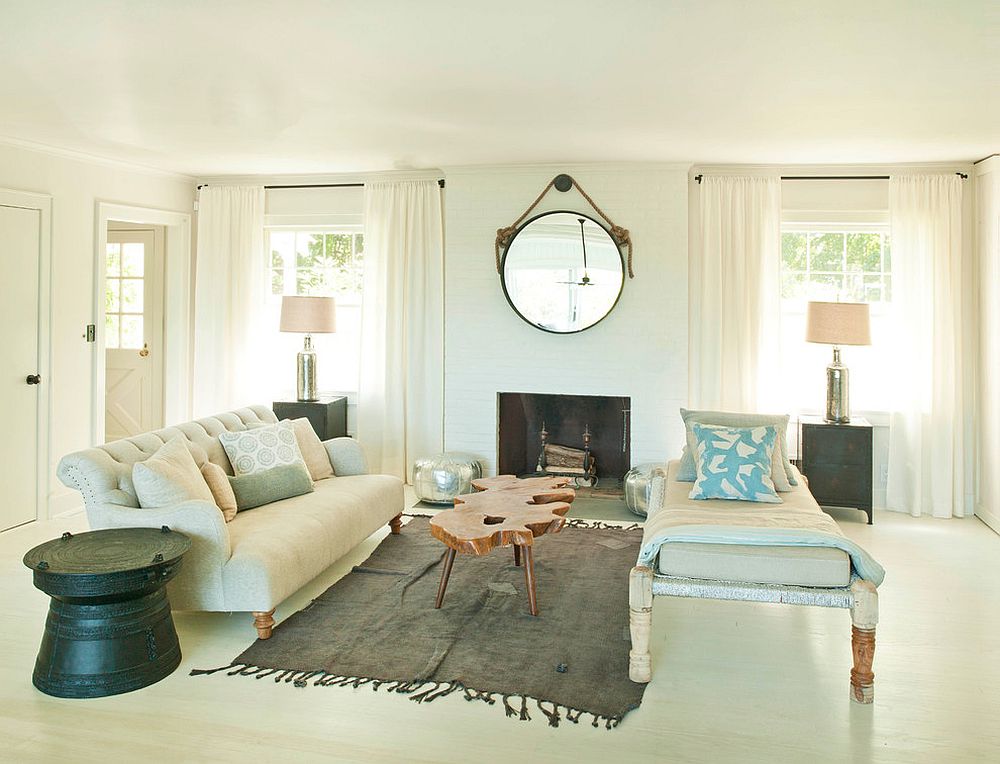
x=309 y=315
x=838 y=323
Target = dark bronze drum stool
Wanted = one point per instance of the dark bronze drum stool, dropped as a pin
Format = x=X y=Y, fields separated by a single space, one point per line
x=109 y=628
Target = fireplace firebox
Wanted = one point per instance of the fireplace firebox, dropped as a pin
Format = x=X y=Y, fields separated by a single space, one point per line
x=595 y=426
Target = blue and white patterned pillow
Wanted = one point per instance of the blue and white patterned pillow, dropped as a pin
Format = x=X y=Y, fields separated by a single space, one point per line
x=734 y=463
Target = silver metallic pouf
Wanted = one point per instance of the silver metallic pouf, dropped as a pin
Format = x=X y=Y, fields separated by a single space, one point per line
x=439 y=479
x=638 y=482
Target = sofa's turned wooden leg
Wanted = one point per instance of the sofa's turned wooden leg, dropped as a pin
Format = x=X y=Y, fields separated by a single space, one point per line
x=640 y=621
x=396 y=524
x=864 y=618
x=264 y=622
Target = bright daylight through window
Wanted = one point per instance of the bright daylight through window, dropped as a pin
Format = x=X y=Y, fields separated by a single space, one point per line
x=324 y=262
x=123 y=295
x=845 y=263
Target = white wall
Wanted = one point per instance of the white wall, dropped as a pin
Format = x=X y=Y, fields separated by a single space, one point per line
x=76 y=184
x=987 y=180
x=640 y=350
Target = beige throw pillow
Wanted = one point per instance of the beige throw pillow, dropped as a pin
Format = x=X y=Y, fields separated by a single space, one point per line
x=222 y=491
x=313 y=451
x=261 y=448
x=170 y=476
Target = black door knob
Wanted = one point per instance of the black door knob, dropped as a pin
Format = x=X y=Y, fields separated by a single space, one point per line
x=33 y=379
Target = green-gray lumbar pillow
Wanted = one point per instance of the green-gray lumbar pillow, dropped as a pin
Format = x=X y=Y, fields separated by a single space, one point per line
x=281 y=482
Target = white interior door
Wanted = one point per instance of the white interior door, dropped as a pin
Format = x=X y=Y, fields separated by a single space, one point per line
x=133 y=332
x=20 y=249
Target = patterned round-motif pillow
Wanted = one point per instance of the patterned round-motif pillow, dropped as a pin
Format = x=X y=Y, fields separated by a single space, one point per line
x=261 y=448
x=244 y=464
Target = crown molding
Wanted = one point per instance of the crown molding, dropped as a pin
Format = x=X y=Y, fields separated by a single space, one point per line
x=320 y=178
x=831 y=169
x=566 y=167
x=103 y=161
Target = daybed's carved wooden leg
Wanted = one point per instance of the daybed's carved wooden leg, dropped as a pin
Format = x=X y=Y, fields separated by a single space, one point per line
x=264 y=622
x=396 y=524
x=864 y=618
x=640 y=621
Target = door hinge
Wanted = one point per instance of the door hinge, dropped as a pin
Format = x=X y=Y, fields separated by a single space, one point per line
x=91 y=335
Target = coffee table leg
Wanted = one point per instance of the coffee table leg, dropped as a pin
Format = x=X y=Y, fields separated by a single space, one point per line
x=449 y=559
x=517 y=555
x=529 y=579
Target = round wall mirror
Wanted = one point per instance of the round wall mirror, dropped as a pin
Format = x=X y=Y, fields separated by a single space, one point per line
x=562 y=272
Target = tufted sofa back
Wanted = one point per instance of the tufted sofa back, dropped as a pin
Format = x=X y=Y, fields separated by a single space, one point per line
x=104 y=474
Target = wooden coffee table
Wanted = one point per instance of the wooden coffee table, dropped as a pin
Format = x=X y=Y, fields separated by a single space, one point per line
x=505 y=512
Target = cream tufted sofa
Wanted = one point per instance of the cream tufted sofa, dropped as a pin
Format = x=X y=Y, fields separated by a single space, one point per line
x=263 y=555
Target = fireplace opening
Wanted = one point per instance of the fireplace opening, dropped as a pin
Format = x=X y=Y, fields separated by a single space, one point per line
x=583 y=437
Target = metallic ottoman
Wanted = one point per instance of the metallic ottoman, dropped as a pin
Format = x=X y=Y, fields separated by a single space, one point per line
x=439 y=479
x=638 y=482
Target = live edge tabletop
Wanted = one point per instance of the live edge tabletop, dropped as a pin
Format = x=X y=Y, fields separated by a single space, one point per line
x=506 y=511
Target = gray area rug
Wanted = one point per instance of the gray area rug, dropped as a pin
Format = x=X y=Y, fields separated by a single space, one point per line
x=377 y=627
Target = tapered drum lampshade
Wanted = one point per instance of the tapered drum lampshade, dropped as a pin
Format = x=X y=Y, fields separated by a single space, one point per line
x=308 y=315
x=838 y=323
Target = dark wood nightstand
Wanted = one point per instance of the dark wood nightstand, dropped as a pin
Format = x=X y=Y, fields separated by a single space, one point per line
x=837 y=459
x=328 y=415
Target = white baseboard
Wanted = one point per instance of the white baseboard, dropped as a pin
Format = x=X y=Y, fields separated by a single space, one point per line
x=992 y=519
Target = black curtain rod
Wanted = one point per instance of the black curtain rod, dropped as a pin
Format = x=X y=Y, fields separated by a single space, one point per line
x=962 y=175
x=325 y=185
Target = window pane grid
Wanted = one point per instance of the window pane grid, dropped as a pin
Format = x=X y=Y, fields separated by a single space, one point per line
x=326 y=262
x=835 y=264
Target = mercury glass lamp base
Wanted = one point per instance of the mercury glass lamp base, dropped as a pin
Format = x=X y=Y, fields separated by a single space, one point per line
x=305 y=376
x=838 y=401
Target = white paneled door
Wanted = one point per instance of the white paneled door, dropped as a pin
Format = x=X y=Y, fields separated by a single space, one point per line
x=133 y=333
x=20 y=250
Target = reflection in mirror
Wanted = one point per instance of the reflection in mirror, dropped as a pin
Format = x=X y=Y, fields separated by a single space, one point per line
x=562 y=272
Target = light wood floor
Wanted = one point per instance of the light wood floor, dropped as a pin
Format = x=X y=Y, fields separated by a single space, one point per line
x=732 y=681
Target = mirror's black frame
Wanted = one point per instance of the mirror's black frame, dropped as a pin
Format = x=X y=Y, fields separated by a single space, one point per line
x=503 y=263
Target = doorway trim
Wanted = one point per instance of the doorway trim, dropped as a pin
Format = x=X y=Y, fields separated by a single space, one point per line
x=176 y=309
x=43 y=204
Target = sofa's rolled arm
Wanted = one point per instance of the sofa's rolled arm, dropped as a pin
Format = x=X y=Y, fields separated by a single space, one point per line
x=346 y=456
x=198 y=586
x=202 y=521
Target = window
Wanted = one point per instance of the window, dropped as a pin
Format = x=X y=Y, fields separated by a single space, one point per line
x=832 y=265
x=317 y=261
x=834 y=262
x=321 y=263
x=123 y=295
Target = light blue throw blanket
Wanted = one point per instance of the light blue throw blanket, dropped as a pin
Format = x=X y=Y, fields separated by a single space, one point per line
x=739 y=522
x=863 y=563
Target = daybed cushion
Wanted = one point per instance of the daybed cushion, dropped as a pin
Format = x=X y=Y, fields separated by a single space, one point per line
x=794 y=566
x=278 y=546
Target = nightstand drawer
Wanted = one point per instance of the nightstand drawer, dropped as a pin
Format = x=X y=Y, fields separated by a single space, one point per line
x=836 y=445
x=842 y=485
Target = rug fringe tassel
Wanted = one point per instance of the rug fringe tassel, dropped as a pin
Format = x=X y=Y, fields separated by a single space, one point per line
x=206 y=672
x=553 y=715
x=420 y=691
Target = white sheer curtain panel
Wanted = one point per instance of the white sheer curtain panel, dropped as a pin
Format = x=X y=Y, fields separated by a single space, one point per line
x=927 y=427
x=401 y=397
x=734 y=291
x=230 y=289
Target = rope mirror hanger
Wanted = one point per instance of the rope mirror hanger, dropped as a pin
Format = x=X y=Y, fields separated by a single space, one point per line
x=564 y=183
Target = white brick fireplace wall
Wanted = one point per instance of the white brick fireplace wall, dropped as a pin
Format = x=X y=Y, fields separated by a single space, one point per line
x=640 y=350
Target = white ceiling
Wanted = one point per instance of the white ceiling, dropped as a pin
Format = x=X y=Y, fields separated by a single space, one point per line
x=210 y=88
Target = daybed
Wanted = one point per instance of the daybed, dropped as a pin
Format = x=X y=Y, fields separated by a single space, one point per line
x=738 y=550
x=262 y=555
